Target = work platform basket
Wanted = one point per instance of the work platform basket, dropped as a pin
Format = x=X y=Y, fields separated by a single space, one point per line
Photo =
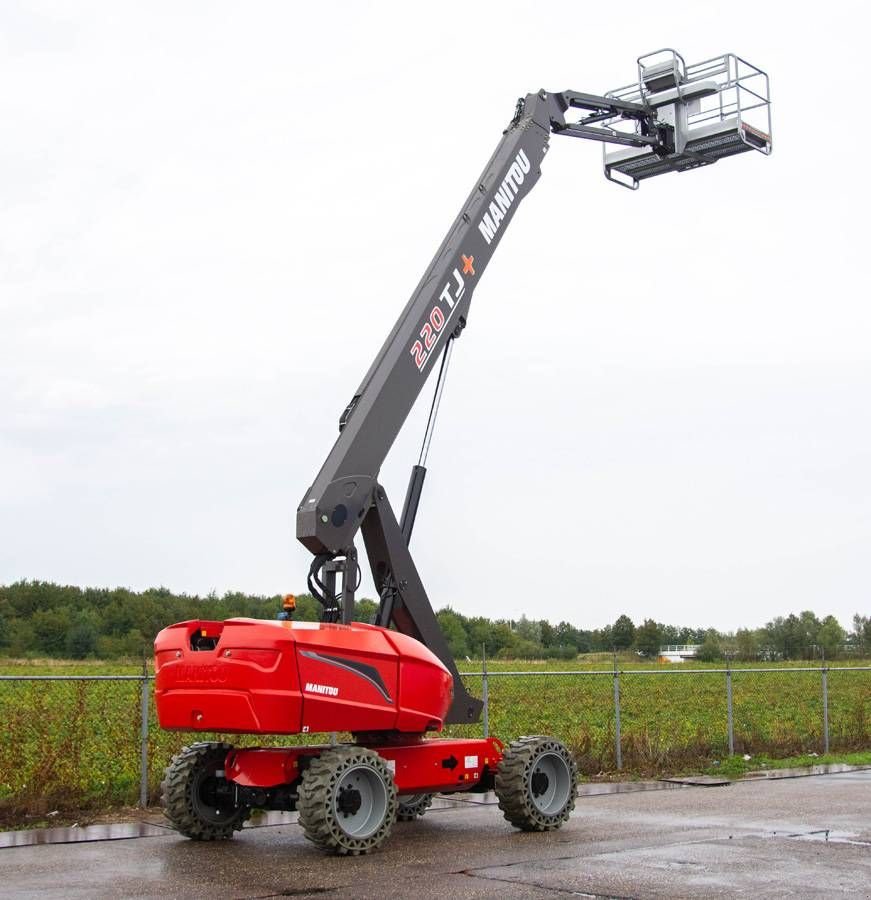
x=717 y=108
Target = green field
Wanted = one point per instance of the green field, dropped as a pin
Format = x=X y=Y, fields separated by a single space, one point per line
x=76 y=744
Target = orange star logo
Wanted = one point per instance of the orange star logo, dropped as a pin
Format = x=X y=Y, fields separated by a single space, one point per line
x=467 y=264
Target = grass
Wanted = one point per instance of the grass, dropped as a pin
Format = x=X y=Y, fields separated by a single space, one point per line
x=737 y=767
x=75 y=745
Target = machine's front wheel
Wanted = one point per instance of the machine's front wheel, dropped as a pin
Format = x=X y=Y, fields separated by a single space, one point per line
x=412 y=806
x=347 y=801
x=536 y=784
x=197 y=798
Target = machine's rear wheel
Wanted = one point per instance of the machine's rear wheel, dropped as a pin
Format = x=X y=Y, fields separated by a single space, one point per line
x=536 y=784
x=412 y=806
x=197 y=798
x=347 y=801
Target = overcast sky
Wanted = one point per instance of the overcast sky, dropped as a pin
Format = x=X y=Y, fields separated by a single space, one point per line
x=212 y=214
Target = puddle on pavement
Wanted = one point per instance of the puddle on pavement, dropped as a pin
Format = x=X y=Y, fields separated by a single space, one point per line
x=828 y=836
x=698 y=781
x=73 y=835
x=627 y=787
x=801 y=771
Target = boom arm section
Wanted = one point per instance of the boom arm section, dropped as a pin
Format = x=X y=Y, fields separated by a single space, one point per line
x=343 y=491
x=334 y=506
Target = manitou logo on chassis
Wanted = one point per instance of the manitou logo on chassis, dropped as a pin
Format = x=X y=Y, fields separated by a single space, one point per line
x=504 y=197
x=311 y=688
x=441 y=312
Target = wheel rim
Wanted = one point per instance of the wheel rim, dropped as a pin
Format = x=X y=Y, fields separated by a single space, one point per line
x=409 y=799
x=360 y=802
x=550 y=783
x=212 y=797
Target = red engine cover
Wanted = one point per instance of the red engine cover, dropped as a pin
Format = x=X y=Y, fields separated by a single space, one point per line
x=264 y=677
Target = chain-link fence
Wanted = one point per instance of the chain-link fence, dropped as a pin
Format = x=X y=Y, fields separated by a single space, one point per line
x=72 y=742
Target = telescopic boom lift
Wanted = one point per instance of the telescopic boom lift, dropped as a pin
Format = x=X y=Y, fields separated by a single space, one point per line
x=391 y=682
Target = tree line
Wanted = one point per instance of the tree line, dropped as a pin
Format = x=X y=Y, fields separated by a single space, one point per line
x=800 y=636
x=43 y=619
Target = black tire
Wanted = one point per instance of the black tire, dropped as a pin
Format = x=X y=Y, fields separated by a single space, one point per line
x=347 y=801
x=536 y=784
x=197 y=800
x=412 y=806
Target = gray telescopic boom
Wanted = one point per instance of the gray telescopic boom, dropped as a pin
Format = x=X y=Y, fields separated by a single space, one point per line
x=346 y=495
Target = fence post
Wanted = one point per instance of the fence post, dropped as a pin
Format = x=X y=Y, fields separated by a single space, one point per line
x=825 y=672
x=618 y=749
x=729 y=717
x=485 y=691
x=143 y=739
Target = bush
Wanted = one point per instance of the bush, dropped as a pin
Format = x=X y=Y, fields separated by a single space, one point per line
x=81 y=639
x=565 y=652
x=710 y=650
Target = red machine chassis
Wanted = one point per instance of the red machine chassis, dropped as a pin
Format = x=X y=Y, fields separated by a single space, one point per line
x=441 y=765
x=252 y=676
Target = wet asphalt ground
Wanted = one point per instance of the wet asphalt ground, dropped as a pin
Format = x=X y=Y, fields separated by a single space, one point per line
x=802 y=837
